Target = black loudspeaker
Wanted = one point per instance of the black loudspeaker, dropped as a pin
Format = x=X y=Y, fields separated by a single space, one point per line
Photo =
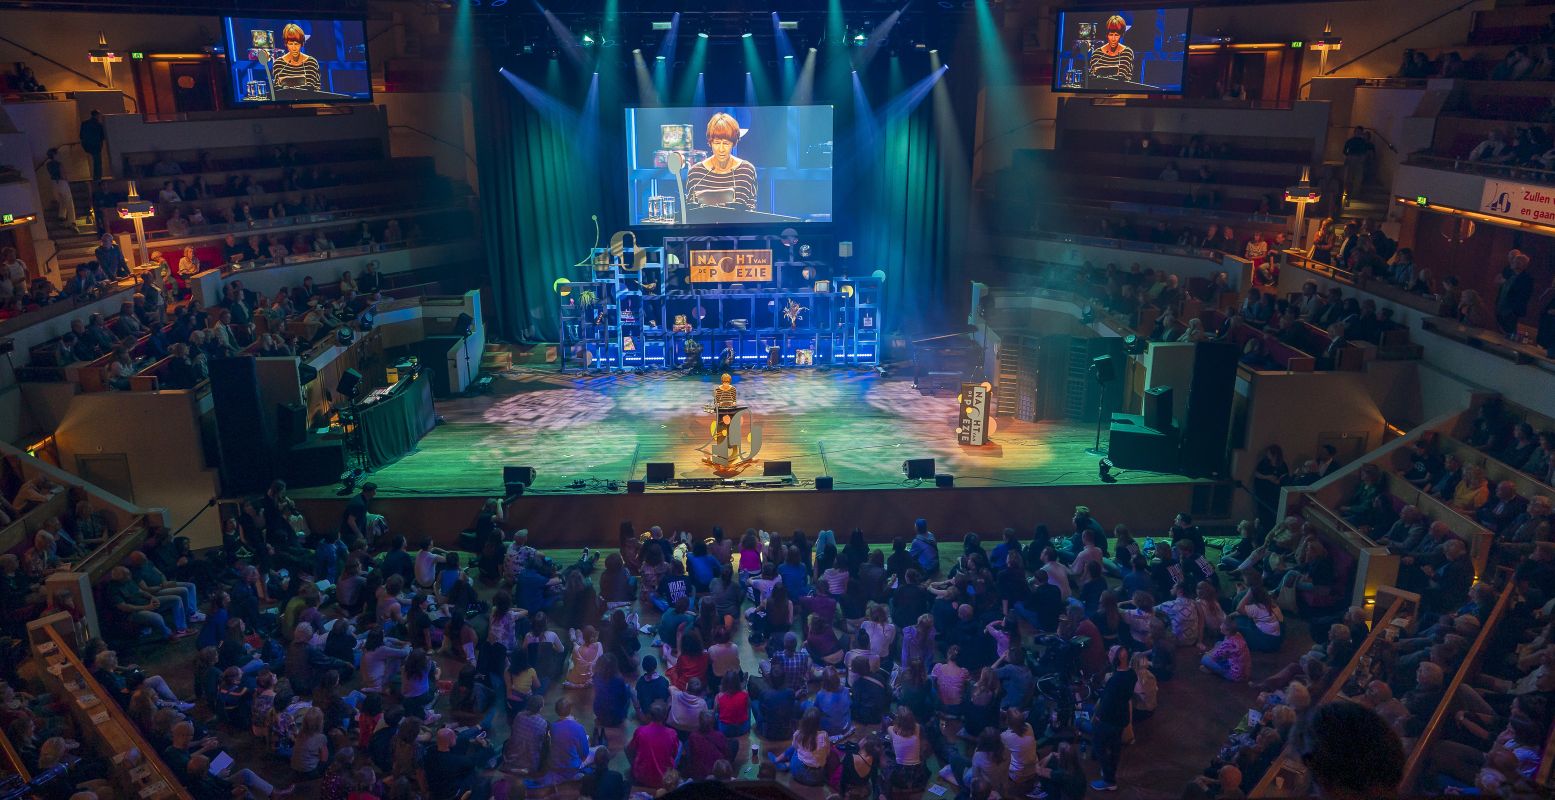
x=432 y=353
x=636 y=487
x=349 y=383
x=1103 y=369
x=315 y=462
x=945 y=481
x=1207 y=420
x=771 y=468
x=918 y=468
x=464 y=325
x=524 y=475
x=659 y=472
x=244 y=429
x=1133 y=445
x=1158 y=407
x=306 y=374
x=823 y=483
x=291 y=424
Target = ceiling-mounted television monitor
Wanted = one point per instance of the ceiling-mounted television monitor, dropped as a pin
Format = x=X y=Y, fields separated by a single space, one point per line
x=277 y=59
x=1122 y=51
x=715 y=165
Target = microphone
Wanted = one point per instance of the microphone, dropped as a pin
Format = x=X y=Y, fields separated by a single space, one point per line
x=595 y=217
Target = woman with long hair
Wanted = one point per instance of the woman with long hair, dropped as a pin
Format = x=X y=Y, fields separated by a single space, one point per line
x=861 y=772
x=908 y=772
x=418 y=687
x=810 y=748
x=856 y=553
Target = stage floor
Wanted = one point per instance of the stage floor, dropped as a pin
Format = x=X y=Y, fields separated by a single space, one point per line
x=854 y=425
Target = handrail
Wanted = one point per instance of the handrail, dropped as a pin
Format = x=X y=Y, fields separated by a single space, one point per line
x=1126 y=244
x=1478 y=168
x=1545 y=779
x=1379 y=135
x=1470 y=663
x=113 y=550
x=118 y=721
x=439 y=140
x=13 y=759
x=1431 y=21
x=1265 y=787
x=70 y=69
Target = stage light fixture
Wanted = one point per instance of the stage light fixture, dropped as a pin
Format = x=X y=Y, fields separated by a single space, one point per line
x=1088 y=316
x=659 y=58
x=637 y=51
x=702 y=34
x=498 y=3
x=745 y=35
x=860 y=39
x=788 y=24
x=588 y=40
x=663 y=26
x=789 y=57
x=1104 y=470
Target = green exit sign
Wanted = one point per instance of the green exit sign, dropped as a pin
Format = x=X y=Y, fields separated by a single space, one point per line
x=1298 y=45
x=137 y=55
x=7 y=219
x=1422 y=201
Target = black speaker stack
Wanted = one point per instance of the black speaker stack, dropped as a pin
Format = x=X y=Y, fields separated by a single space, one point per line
x=244 y=427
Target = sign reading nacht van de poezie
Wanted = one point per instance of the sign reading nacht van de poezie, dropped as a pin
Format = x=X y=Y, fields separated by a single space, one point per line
x=731 y=266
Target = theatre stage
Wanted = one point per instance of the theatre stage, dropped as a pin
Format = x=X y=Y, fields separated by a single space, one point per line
x=853 y=425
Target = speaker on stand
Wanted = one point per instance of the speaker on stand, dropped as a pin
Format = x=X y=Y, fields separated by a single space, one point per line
x=1104 y=371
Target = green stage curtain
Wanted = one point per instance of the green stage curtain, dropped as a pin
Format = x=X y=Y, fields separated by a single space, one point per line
x=538 y=188
x=912 y=223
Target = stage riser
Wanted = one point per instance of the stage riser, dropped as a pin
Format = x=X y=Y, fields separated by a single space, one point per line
x=573 y=521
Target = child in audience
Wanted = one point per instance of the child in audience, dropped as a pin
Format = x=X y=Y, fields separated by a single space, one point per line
x=651 y=687
x=1230 y=659
x=585 y=651
x=263 y=704
x=233 y=696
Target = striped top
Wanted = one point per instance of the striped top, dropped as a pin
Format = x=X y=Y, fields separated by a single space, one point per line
x=301 y=76
x=741 y=179
x=723 y=396
x=1118 y=67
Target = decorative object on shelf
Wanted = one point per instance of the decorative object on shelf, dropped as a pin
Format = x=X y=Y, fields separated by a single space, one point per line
x=804 y=358
x=681 y=324
x=792 y=312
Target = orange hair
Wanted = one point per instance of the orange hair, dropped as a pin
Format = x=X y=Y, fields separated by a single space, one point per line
x=293 y=33
x=723 y=126
x=1116 y=24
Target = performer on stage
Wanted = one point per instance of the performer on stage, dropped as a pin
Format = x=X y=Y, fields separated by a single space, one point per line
x=723 y=172
x=1114 y=59
x=724 y=396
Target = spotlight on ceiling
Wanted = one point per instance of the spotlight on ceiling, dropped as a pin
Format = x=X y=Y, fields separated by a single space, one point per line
x=788 y=25
x=588 y=40
x=745 y=35
x=789 y=57
x=663 y=26
x=637 y=51
x=701 y=34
